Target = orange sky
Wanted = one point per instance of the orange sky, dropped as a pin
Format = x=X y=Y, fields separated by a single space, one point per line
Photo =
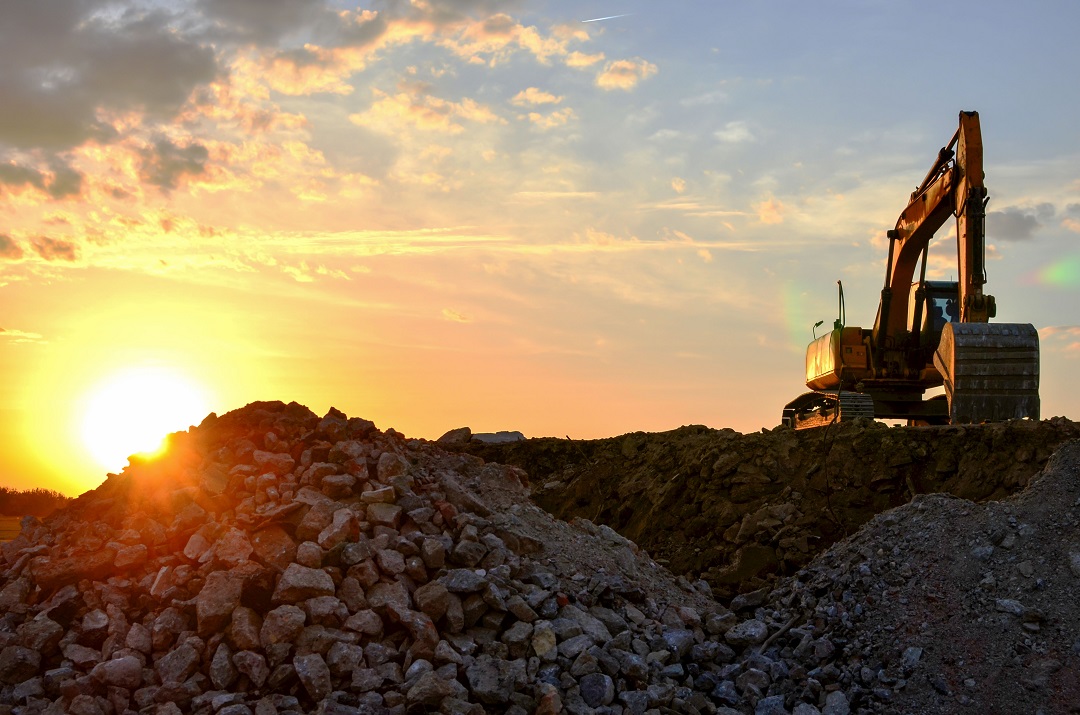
x=433 y=214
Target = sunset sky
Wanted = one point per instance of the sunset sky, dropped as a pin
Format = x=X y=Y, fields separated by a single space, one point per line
x=492 y=213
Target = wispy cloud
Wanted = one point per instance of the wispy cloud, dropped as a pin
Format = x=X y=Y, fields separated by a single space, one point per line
x=625 y=74
x=533 y=96
x=21 y=336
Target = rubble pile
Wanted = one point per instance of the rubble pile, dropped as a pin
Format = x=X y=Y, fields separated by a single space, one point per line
x=741 y=510
x=278 y=562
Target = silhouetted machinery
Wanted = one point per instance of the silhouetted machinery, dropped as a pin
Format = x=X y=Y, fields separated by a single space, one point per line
x=928 y=333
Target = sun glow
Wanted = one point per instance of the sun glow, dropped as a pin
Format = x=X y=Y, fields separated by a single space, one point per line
x=132 y=411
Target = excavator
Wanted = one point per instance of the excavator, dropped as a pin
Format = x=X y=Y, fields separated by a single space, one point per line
x=928 y=334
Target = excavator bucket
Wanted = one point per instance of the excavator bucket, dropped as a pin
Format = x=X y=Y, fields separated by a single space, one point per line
x=991 y=371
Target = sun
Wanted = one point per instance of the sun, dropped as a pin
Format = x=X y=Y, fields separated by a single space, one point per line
x=132 y=411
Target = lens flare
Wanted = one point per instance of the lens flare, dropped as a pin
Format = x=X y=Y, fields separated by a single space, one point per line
x=1061 y=274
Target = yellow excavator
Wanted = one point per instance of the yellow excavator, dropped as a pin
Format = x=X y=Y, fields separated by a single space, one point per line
x=928 y=334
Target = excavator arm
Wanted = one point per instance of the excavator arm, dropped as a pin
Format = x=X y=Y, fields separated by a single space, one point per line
x=952 y=187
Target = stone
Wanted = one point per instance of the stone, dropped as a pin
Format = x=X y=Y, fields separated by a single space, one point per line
x=384 y=594
x=177 y=665
x=243 y=630
x=95 y=628
x=597 y=689
x=222 y=671
x=752 y=632
x=51 y=574
x=836 y=703
x=344 y=658
x=456 y=437
x=81 y=656
x=544 y=642
x=366 y=622
x=772 y=705
x=489 y=681
x=390 y=561
x=430 y=689
x=1074 y=563
x=274 y=547
x=282 y=625
x=325 y=611
x=463 y=581
x=382 y=495
x=131 y=557
x=219 y=597
x=233 y=548
x=18 y=664
x=317 y=518
x=123 y=672
x=253 y=665
x=314 y=675
x=382 y=514
x=276 y=462
x=344 y=526
x=41 y=634
x=309 y=554
x=299 y=583
x=433 y=599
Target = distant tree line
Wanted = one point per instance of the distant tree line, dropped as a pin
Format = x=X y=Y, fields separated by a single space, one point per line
x=39 y=502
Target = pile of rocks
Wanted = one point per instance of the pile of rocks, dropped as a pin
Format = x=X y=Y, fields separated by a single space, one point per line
x=278 y=562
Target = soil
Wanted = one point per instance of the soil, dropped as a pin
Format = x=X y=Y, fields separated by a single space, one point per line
x=740 y=510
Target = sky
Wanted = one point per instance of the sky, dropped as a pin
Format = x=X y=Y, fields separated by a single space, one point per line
x=495 y=214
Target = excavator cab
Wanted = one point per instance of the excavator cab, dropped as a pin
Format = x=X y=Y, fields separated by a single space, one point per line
x=941 y=305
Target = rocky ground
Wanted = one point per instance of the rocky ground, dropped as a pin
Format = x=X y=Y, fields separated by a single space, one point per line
x=280 y=562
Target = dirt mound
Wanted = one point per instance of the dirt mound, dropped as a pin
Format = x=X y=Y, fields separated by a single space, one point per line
x=944 y=606
x=739 y=510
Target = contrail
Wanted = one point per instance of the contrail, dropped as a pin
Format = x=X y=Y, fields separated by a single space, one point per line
x=609 y=17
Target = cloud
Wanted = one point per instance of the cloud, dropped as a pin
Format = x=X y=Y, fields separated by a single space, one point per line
x=580 y=60
x=1061 y=338
x=267 y=21
x=770 y=211
x=416 y=106
x=164 y=163
x=454 y=316
x=705 y=100
x=54 y=249
x=9 y=250
x=1017 y=223
x=678 y=185
x=533 y=96
x=625 y=74
x=67 y=61
x=59 y=182
x=21 y=336
x=555 y=119
x=734 y=133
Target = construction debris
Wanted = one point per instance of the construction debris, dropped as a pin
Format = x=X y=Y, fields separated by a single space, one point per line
x=278 y=562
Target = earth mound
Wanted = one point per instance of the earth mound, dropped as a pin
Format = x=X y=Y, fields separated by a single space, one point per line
x=740 y=510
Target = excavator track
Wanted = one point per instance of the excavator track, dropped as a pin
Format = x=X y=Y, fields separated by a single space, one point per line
x=991 y=371
x=826 y=407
